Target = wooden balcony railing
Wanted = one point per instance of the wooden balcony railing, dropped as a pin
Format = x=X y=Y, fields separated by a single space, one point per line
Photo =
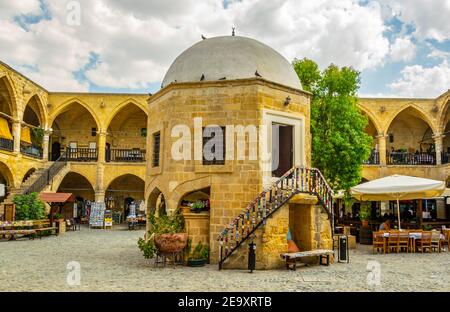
x=125 y=155
x=374 y=159
x=80 y=154
x=7 y=145
x=31 y=150
x=404 y=158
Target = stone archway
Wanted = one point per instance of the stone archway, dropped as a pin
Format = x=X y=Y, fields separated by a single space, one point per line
x=123 y=191
x=410 y=138
x=127 y=134
x=6 y=178
x=74 y=126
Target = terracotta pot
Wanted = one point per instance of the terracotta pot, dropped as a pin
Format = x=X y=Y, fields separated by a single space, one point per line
x=365 y=223
x=168 y=243
x=185 y=209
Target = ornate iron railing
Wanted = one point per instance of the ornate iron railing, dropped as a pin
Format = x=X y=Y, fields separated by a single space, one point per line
x=31 y=150
x=404 y=158
x=80 y=154
x=7 y=145
x=125 y=155
x=295 y=181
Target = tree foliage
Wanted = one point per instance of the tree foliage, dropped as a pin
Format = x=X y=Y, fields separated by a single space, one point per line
x=339 y=142
x=29 y=207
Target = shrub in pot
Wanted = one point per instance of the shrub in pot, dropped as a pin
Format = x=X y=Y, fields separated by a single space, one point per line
x=166 y=235
x=199 y=256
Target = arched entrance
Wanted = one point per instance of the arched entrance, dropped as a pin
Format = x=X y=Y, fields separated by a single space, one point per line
x=82 y=190
x=156 y=203
x=6 y=179
x=374 y=158
x=410 y=139
x=127 y=132
x=32 y=133
x=197 y=198
x=125 y=195
x=74 y=134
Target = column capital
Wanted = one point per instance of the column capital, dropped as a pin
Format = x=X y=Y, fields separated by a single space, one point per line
x=438 y=136
x=381 y=136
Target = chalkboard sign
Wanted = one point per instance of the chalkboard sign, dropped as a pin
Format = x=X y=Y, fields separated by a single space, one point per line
x=97 y=214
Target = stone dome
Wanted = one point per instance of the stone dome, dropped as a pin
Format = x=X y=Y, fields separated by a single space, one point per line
x=232 y=57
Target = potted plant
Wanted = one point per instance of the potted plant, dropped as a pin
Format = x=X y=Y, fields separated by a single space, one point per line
x=166 y=235
x=364 y=214
x=197 y=207
x=199 y=256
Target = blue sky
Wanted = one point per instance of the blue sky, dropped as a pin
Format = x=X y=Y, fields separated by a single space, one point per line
x=402 y=48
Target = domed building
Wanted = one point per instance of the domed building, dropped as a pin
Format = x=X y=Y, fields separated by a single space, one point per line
x=231 y=118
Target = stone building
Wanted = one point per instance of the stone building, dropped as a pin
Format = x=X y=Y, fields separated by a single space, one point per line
x=236 y=90
x=411 y=137
x=100 y=137
x=223 y=84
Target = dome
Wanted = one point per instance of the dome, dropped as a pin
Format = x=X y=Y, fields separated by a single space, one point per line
x=231 y=57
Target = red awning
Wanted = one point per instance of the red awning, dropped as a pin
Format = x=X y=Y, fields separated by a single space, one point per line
x=57 y=197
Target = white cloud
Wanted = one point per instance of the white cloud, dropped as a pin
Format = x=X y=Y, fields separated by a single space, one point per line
x=403 y=49
x=137 y=40
x=429 y=18
x=419 y=81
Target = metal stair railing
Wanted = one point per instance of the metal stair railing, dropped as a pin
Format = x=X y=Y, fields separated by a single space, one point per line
x=297 y=180
x=47 y=176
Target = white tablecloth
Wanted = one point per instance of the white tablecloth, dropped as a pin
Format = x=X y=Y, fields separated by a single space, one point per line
x=413 y=235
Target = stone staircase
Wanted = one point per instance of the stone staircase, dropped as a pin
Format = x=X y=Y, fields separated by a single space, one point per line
x=39 y=180
x=296 y=181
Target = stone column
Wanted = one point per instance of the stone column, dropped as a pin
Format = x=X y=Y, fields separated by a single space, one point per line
x=101 y=145
x=45 y=145
x=382 y=149
x=16 y=131
x=438 y=143
x=99 y=187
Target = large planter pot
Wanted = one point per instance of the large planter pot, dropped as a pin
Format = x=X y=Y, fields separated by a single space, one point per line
x=169 y=243
x=365 y=223
x=185 y=209
x=196 y=262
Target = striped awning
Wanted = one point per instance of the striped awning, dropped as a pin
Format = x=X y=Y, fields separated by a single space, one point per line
x=4 y=129
x=25 y=135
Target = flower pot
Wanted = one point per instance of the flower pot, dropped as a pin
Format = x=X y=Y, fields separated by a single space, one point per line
x=185 y=209
x=365 y=223
x=196 y=262
x=169 y=243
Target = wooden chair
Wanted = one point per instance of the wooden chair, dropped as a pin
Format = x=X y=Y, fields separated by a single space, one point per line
x=436 y=240
x=403 y=240
x=378 y=242
x=393 y=241
x=425 y=241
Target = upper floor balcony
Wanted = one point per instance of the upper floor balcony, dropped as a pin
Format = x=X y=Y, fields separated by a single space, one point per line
x=414 y=159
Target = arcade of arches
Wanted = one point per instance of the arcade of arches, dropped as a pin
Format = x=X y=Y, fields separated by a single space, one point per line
x=104 y=137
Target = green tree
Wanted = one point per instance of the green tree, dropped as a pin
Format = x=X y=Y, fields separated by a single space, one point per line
x=339 y=142
x=29 y=207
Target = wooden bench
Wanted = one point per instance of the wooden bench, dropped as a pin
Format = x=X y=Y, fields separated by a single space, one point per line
x=12 y=234
x=292 y=257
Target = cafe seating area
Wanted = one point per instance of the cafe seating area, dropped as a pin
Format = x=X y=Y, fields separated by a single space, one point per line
x=411 y=241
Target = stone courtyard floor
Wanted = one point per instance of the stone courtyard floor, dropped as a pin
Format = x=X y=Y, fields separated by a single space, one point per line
x=111 y=261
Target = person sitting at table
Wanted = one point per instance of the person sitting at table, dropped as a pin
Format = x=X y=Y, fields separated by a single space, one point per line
x=385 y=226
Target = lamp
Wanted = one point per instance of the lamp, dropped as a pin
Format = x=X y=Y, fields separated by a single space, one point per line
x=287 y=101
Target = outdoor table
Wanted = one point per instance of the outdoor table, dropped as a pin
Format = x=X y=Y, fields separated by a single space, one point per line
x=413 y=236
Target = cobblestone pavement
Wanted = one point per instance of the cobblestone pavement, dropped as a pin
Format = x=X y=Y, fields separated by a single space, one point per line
x=111 y=261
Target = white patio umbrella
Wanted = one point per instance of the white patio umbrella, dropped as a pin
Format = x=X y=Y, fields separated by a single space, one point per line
x=398 y=187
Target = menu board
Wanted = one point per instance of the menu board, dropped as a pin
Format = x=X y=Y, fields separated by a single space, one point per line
x=97 y=214
x=108 y=218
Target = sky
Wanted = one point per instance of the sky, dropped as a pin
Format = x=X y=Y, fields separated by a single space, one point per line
x=401 y=47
